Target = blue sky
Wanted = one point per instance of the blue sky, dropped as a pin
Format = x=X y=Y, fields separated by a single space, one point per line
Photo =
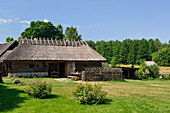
x=96 y=19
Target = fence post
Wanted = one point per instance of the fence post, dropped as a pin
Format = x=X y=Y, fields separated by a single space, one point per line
x=83 y=76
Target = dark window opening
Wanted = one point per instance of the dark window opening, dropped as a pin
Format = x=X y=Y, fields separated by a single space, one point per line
x=31 y=65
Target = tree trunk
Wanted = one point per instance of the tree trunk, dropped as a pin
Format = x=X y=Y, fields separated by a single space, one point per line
x=1 y=81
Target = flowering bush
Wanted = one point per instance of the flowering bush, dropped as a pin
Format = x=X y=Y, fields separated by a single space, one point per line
x=88 y=94
x=39 y=89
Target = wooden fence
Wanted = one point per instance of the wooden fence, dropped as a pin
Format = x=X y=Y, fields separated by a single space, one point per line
x=101 y=74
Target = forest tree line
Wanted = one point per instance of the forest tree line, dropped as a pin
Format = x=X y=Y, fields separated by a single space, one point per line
x=132 y=51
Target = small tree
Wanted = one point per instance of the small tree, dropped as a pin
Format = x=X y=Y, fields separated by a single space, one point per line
x=71 y=33
x=113 y=61
x=105 y=64
x=153 y=71
x=9 y=39
x=142 y=70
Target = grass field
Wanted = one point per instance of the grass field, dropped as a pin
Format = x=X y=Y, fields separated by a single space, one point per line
x=126 y=97
x=162 y=69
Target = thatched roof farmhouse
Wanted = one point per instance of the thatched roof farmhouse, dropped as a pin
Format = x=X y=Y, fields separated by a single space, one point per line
x=49 y=57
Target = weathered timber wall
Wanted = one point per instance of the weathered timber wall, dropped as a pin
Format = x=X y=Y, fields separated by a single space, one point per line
x=23 y=66
x=80 y=66
x=103 y=73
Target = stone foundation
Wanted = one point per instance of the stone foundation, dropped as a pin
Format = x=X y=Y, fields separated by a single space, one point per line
x=29 y=74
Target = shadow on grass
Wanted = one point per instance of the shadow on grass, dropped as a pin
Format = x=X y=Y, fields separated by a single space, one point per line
x=9 y=98
x=50 y=96
x=108 y=101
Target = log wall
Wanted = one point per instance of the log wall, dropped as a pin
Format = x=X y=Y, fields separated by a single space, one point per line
x=80 y=66
x=24 y=66
x=102 y=73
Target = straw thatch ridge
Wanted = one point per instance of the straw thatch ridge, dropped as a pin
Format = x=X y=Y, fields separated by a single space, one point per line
x=51 y=42
x=54 y=50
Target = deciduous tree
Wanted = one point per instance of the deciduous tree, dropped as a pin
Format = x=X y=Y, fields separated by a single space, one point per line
x=71 y=33
x=44 y=30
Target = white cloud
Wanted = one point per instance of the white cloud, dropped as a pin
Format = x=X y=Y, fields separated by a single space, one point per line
x=66 y=25
x=45 y=20
x=77 y=26
x=16 y=18
x=5 y=21
x=90 y=26
x=93 y=26
x=8 y=20
x=25 y=21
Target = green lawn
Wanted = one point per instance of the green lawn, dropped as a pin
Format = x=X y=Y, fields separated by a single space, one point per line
x=126 y=97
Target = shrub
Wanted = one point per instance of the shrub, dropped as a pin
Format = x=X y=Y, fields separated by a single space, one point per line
x=153 y=70
x=39 y=89
x=105 y=64
x=88 y=94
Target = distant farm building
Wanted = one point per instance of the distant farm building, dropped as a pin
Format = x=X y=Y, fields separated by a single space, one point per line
x=150 y=63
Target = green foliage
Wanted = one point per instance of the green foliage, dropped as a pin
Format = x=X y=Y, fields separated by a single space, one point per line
x=101 y=47
x=39 y=89
x=9 y=39
x=88 y=94
x=143 y=49
x=91 y=44
x=105 y=64
x=157 y=44
x=44 y=30
x=153 y=71
x=142 y=70
x=124 y=52
x=113 y=62
x=129 y=51
x=166 y=77
x=162 y=57
x=152 y=48
x=71 y=33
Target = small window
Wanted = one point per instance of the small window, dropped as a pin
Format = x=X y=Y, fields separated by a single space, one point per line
x=84 y=66
x=31 y=65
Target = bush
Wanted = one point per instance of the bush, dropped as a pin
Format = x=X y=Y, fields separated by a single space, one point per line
x=153 y=71
x=88 y=94
x=105 y=64
x=39 y=89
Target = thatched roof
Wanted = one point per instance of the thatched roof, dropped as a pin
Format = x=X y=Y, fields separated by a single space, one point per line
x=4 y=47
x=150 y=63
x=54 y=50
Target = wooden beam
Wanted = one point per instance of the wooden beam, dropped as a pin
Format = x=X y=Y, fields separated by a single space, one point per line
x=36 y=40
x=64 y=43
x=75 y=42
x=52 y=41
x=79 y=43
x=40 y=40
x=32 y=42
x=44 y=41
x=48 y=41
x=72 y=43
x=56 y=42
